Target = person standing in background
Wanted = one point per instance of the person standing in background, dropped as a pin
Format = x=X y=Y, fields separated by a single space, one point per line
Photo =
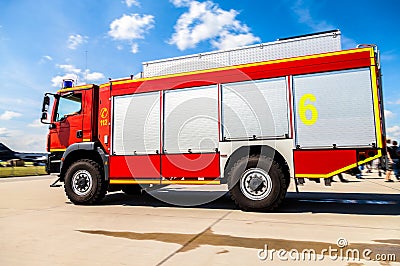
x=392 y=160
x=395 y=158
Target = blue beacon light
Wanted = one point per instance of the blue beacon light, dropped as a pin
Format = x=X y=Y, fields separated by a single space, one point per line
x=68 y=83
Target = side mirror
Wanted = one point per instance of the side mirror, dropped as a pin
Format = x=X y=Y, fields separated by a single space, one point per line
x=46 y=104
x=45 y=108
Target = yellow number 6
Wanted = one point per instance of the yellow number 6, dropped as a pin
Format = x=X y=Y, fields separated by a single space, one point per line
x=303 y=108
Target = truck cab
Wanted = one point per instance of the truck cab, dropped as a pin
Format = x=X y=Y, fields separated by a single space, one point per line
x=72 y=120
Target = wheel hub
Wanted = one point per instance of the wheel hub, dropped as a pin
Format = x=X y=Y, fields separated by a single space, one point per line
x=82 y=182
x=256 y=184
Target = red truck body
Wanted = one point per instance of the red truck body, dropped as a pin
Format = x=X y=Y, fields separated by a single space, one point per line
x=91 y=133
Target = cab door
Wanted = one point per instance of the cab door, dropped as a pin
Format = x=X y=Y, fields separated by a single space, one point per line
x=67 y=127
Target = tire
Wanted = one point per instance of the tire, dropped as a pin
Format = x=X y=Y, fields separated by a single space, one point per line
x=84 y=183
x=132 y=190
x=257 y=183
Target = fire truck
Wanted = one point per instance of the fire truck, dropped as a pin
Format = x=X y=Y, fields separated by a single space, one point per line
x=253 y=117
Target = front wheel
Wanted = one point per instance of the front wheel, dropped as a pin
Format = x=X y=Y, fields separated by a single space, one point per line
x=257 y=183
x=84 y=182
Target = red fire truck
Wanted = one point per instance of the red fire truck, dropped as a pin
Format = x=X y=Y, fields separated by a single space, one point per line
x=252 y=117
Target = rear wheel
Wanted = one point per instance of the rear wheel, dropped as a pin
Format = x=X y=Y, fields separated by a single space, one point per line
x=257 y=183
x=84 y=182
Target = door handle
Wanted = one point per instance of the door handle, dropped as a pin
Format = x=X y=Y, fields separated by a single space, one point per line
x=79 y=134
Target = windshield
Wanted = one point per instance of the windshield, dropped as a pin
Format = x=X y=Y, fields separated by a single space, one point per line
x=68 y=105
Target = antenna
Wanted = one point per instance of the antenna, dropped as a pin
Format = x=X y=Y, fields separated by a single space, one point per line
x=86 y=52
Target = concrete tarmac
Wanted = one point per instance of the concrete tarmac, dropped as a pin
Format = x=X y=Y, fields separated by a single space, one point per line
x=39 y=226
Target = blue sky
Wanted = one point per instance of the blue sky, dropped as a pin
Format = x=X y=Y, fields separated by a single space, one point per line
x=42 y=42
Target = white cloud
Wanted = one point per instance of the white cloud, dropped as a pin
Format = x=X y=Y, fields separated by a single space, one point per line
x=207 y=21
x=389 y=114
x=75 y=40
x=4 y=132
x=130 y=3
x=69 y=68
x=23 y=141
x=348 y=43
x=134 y=48
x=94 y=76
x=393 y=132
x=388 y=56
x=393 y=102
x=8 y=115
x=228 y=40
x=79 y=76
x=180 y=3
x=36 y=123
x=11 y=100
x=304 y=16
x=131 y=27
x=303 y=12
x=45 y=59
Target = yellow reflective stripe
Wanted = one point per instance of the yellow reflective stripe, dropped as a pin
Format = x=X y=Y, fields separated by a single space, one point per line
x=371 y=158
x=85 y=139
x=372 y=56
x=329 y=174
x=51 y=150
x=376 y=107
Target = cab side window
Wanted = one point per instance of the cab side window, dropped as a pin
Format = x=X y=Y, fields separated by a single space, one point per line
x=70 y=104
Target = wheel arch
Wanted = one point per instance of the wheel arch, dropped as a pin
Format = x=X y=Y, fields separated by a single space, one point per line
x=256 y=150
x=85 y=150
